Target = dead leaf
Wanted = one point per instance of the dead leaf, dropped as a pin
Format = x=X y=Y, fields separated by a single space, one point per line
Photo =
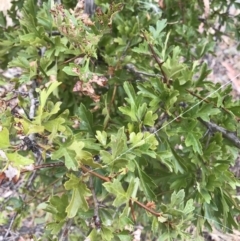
x=151 y=205
x=2 y=177
x=161 y=4
x=11 y=173
x=99 y=80
x=87 y=89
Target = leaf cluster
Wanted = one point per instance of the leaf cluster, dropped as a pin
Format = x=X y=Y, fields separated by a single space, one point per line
x=118 y=123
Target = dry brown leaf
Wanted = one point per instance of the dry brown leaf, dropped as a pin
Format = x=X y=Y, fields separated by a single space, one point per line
x=161 y=4
x=2 y=177
x=10 y=174
x=111 y=70
x=88 y=89
x=99 y=80
x=151 y=205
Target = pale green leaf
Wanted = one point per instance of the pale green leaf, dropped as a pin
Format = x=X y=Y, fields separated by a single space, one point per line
x=150 y=118
x=4 y=138
x=117 y=190
x=45 y=93
x=79 y=194
x=107 y=233
x=18 y=160
x=177 y=198
x=102 y=137
x=69 y=156
x=55 y=227
x=189 y=207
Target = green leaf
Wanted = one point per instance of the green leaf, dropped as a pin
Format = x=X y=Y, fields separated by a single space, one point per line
x=3 y=20
x=160 y=25
x=55 y=227
x=57 y=206
x=94 y=235
x=162 y=219
x=72 y=70
x=129 y=112
x=150 y=118
x=124 y=235
x=86 y=118
x=4 y=138
x=83 y=157
x=132 y=98
x=136 y=140
x=142 y=48
x=204 y=193
x=31 y=38
x=206 y=196
x=18 y=160
x=106 y=233
x=45 y=93
x=206 y=111
x=79 y=194
x=69 y=156
x=118 y=143
x=117 y=190
x=146 y=183
x=102 y=137
x=34 y=129
x=192 y=139
x=53 y=126
x=189 y=207
x=133 y=188
x=177 y=198
x=52 y=109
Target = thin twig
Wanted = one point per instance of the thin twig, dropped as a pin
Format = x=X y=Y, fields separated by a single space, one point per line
x=96 y=217
x=103 y=178
x=11 y=224
x=140 y=74
x=165 y=78
x=48 y=165
x=64 y=232
x=146 y=208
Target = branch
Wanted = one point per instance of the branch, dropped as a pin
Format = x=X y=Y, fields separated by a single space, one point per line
x=11 y=224
x=209 y=102
x=165 y=79
x=96 y=217
x=107 y=179
x=140 y=74
x=36 y=167
x=231 y=136
x=103 y=178
x=63 y=235
x=146 y=208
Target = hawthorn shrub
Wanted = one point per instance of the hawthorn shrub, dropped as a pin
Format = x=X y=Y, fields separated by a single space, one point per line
x=113 y=122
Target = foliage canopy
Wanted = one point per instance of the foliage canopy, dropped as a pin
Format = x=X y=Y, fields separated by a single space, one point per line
x=118 y=121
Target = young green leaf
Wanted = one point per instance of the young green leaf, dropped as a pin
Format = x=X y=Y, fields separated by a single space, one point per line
x=69 y=156
x=4 y=138
x=79 y=194
x=117 y=190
